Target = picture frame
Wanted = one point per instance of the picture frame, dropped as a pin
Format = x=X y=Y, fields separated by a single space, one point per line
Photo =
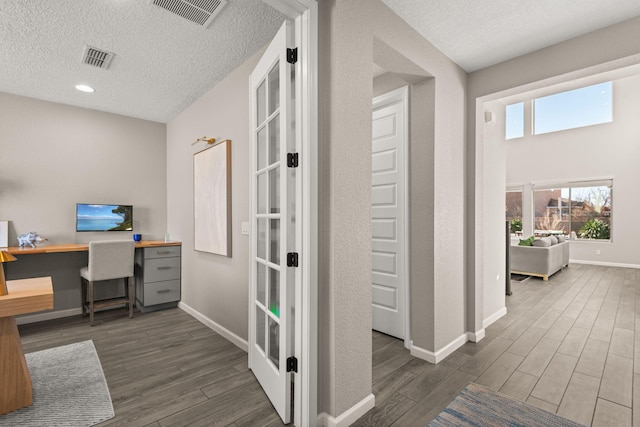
x=212 y=199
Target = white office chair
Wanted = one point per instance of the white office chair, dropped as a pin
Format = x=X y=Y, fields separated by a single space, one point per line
x=108 y=259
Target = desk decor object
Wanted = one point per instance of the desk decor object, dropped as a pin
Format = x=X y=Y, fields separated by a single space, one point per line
x=212 y=199
x=31 y=238
x=4 y=257
x=25 y=296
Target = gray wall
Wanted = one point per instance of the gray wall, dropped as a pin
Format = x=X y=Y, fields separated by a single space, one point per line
x=347 y=33
x=606 y=150
x=213 y=285
x=54 y=156
x=610 y=48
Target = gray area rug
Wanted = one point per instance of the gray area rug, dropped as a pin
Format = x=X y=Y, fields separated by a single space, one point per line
x=69 y=389
x=477 y=405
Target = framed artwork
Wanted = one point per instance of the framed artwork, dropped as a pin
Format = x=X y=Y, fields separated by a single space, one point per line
x=4 y=234
x=212 y=199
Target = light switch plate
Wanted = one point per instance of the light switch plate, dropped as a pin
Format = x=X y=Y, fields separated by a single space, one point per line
x=245 y=228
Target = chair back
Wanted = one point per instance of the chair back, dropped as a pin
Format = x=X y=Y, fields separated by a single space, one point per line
x=110 y=259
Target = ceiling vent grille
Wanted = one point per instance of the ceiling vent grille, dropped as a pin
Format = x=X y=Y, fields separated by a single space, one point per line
x=97 y=57
x=201 y=12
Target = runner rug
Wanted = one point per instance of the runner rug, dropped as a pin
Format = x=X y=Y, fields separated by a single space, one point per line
x=477 y=405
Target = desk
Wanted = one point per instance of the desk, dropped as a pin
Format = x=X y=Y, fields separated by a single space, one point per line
x=79 y=247
x=25 y=296
x=63 y=262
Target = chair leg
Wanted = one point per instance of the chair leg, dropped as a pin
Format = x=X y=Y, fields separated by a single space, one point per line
x=91 y=302
x=130 y=294
x=83 y=286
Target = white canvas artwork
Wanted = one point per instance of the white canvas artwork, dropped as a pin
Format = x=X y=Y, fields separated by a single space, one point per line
x=4 y=234
x=212 y=199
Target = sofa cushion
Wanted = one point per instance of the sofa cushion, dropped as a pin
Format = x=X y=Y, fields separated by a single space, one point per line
x=554 y=240
x=561 y=238
x=542 y=242
x=527 y=241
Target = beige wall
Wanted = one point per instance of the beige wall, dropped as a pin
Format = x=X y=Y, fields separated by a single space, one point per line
x=347 y=33
x=214 y=285
x=610 y=48
x=54 y=156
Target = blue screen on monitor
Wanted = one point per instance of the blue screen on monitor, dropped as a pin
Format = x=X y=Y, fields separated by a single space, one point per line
x=98 y=217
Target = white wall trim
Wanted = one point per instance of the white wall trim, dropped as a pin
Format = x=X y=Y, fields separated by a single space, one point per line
x=488 y=321
x=349 y=416
x=476 y=336
x=216 y=327
x=605 y=263
x=441 y=354
x=50 y=315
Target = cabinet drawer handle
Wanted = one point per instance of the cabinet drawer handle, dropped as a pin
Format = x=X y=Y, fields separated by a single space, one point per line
x=164 y=291
x=164 y=268
x=163 y=252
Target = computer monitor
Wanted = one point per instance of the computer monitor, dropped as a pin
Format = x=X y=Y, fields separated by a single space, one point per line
x=103 y=217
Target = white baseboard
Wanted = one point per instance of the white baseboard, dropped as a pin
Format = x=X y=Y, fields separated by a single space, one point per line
x=475 y=336
x=606 y=264
x=349 y=416
x=49 y=315
x=495 y=316
x=235 y=339
x=439 y=355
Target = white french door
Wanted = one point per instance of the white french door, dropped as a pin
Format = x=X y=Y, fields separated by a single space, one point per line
x=273 y=221
x=389 y=214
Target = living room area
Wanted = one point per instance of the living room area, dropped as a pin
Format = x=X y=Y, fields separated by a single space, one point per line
x=571 y=157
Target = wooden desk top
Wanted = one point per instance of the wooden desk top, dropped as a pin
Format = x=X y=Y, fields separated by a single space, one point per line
x=27 y=296
x=79 y=247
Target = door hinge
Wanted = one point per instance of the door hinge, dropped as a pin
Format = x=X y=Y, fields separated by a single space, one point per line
x=292 y=364
x=292 y=160
x=292 y=55
x=292 y=259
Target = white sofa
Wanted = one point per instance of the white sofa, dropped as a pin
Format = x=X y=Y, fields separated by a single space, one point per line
x=542 y=259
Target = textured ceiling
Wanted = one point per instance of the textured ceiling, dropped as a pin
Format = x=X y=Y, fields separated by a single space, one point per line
x=163 y=63
x=476 y=34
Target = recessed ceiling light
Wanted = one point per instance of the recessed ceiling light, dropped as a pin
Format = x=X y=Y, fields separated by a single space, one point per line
x=84 y=88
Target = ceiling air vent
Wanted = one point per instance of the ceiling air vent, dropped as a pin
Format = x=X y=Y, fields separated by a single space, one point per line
x=97 y=57
x=201 y=12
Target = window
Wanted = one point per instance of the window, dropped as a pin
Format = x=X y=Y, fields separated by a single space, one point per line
x=514 y=121
x=576 y=108
x=586 y=106
x=581 y=208
x=513 y=210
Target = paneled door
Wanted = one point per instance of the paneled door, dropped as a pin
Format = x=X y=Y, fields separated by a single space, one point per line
x=389 y=211
x=272 y=256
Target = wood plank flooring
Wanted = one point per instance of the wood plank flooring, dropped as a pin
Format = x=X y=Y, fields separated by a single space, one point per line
x=164 y=369
x=570 y=345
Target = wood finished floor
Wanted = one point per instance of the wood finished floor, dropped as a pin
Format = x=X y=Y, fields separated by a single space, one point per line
x=570 y=346
x=164 y=369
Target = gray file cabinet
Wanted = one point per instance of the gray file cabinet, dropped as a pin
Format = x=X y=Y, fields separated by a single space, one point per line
x=158 y=277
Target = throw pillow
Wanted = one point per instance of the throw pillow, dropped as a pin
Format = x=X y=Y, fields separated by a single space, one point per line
x=527 y=242
x=542 y=242
x=561 y=238
x=554 y=240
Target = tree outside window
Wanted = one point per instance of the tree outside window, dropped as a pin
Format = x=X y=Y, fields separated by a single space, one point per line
x=583 y=210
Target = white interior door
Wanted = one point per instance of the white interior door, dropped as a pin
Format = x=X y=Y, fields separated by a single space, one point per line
x=389 y=210
x=271 y=286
